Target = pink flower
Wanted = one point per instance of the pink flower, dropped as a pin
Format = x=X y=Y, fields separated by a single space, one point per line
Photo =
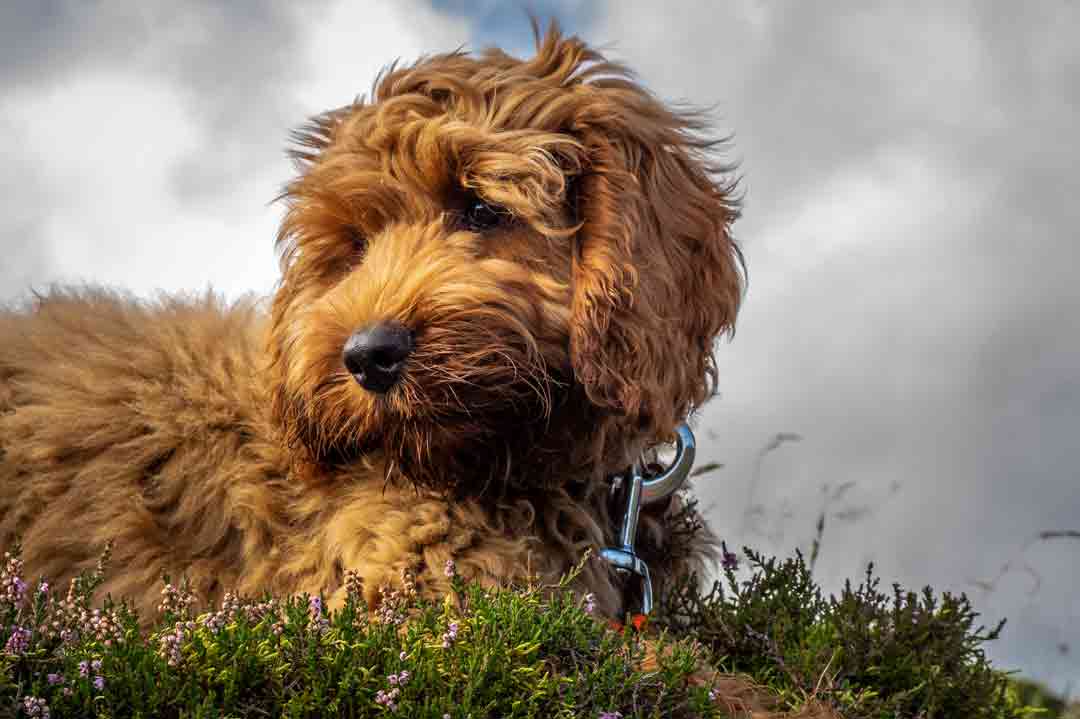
x=315 y=609
x=172 y=644
x=388 y=699
x=177 y=601
x=35 y=707
x=450 y=635
x=18 y=642
x=12 y=587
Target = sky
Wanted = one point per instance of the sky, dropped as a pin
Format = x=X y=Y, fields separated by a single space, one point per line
x=906 y=360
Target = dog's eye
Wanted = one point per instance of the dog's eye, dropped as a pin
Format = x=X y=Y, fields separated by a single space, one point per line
x=481 y=216
x=356 y=239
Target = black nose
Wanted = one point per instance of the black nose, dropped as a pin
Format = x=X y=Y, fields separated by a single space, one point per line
x=375 y=354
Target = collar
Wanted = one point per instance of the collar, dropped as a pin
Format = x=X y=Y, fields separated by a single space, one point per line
x=642 y=489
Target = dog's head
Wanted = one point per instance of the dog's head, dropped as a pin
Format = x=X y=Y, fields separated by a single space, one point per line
x=493 y=262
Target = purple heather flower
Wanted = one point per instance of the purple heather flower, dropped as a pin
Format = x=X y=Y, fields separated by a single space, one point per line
x=12 y=587
x=713 y=694
x=18 y=642
x=54 y=678
x=402 y=655
x=315 y=607
x=387 y=699
x=610 y=715
x=44 y=588
x=171 y=645
x=398 y=679
x=590 y=603
x=99 y=683
x=450 y=569
x=176 y=600
x=95 y=666
x=36 y=707
x=728 y=560
x=450 y=635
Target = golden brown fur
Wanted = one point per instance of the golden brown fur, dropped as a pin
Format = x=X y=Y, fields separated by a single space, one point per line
x=231 y=445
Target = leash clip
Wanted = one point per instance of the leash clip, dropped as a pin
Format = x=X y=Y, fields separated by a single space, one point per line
x=646 y=491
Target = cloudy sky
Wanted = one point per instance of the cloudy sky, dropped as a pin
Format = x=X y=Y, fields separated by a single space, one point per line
x=912 y=327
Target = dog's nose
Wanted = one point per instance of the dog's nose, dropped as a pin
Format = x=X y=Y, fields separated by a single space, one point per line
x=375 y=354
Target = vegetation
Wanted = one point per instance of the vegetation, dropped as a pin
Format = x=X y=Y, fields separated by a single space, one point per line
x=525 y=651
x=871 y=654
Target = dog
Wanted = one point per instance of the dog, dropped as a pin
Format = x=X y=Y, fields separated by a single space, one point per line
x=502 y=282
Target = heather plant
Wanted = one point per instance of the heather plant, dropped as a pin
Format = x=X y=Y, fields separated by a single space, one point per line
x=866 y=652
x=526 y=651
x=518 y=652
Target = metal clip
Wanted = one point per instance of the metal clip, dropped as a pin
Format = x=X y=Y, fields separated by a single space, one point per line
x=646 y=491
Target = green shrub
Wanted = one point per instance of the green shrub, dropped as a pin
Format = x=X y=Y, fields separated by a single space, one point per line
x=868 y=653
x=1033 y=694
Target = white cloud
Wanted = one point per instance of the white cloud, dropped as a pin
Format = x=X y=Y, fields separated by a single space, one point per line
x=104 y=149
x=104 y=145
x=349 y=43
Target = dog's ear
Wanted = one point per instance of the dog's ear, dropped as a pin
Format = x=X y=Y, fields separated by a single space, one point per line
x=657 y=276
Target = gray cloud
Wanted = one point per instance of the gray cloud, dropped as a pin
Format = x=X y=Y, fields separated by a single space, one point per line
x=910 y=229
x=155 y=133
x=95 y=71
x=231 y=61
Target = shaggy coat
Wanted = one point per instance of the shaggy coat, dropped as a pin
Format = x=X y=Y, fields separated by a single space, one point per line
x=558 y=243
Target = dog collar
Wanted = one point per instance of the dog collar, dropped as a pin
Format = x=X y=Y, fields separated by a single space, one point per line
x=646 y=490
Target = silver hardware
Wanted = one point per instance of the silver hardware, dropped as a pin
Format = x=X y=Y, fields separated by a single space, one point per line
x=646 y=491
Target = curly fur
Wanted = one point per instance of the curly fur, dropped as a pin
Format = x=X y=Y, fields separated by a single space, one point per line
x=229 y=444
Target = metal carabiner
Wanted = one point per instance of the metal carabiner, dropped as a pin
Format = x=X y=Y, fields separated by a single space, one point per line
x=646 y=491
x=667 y=483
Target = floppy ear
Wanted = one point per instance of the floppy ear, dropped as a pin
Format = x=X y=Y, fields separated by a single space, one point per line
x=657 y=276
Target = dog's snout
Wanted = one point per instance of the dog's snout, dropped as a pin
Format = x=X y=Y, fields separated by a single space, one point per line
x=375 y=354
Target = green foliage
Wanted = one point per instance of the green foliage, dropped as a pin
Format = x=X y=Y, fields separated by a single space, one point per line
x=517 y=652
x=868 y=653
x=1033 y=694
x=480 y=653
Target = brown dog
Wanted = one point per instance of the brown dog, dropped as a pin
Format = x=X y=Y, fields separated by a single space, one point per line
x=502 y=281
